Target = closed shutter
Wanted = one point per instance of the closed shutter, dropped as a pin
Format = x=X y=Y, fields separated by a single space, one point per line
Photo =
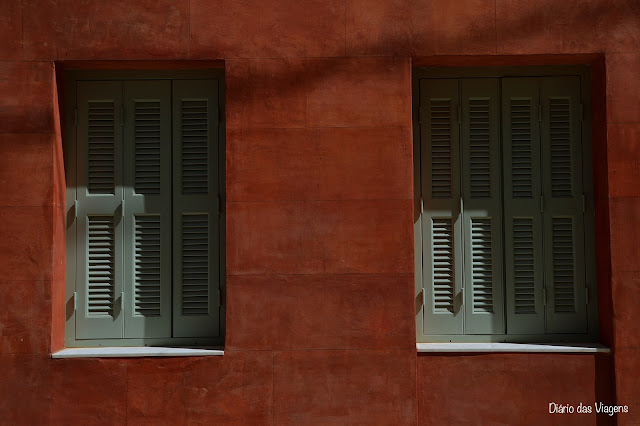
x=99 y=238
x=147 y=196
x=441 y=219
x=482 y=207
x=522 y=206
x=196 y=268
x=563 y=205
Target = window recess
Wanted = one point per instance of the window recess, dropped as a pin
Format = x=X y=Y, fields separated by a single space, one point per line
x=504 y=175
x=144 y=184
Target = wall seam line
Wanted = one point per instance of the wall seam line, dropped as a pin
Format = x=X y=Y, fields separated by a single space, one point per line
x=336 y=348
x=345 y=27
x=313 y=200
x=27 y=132
x=273 y=387
x=495 y=24
x=417 y=400
x=316 y=274
x=326 y=274
x=311 y=128
x=21 y=32
x=126 y=393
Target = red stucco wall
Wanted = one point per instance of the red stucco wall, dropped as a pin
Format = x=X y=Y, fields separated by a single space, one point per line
x=320 y=291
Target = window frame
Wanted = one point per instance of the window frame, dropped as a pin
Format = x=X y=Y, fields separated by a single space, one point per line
x=582 y=71
x=69 y=142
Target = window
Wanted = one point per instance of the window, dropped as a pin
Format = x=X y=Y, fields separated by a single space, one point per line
x=143 y=154
x=506 y=227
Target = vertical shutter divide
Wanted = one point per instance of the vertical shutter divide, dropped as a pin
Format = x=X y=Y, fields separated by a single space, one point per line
x=563 y=206
x=441 y=219
x=196 y=268
x=482 y=207
x=99 y=227
x=522 y=206
x=147 y=196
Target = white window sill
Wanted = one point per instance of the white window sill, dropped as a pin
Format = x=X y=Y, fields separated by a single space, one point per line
x=134 y=352
x=578 y=348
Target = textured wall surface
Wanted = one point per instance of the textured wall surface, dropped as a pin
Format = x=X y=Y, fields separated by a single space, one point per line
x=319 y=176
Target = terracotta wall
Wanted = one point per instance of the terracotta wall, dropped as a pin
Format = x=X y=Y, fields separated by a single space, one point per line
x=320 y=310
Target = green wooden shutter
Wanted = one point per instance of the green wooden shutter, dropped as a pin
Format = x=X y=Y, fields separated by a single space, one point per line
x=196 y=268
x=482 y=207
x=147 y=196
x=441 y=219
x=563 y=205
x=99 y=238
x=522 y=206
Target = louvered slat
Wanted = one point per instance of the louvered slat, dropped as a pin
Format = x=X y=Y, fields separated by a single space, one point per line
x=521 y=155
x=481 y=215
x=195 y=151
x=196 y=221
x=147 y=216
x=479 y=149
x=101 y=265
x=563 y=265
x=481 y=264
x=524 y=267
x=524 y=250
x=195 y=264
x=443 y=267
x=147 y=266
x=563 y=216
x=560 y=132
x=440 y=116
x=101 y=148
x=147 y=147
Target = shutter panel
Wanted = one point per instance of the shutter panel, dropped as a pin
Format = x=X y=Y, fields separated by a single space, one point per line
x=196 y=240
x=99 y=238
x=522 y=196
x=147 y=195
x=441 y=219
x=482 y=204
x=563 y=205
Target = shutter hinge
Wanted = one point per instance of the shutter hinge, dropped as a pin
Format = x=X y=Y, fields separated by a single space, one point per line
x=459 y=113
x=75 y=301
x=424 y=297
x=122 y=300
x=122 y=209
x=584 y=203
x=76 y=117
x=539 y=112
x=544 y=296
x=75 y=209
x=421 y=205
x=462 y=296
